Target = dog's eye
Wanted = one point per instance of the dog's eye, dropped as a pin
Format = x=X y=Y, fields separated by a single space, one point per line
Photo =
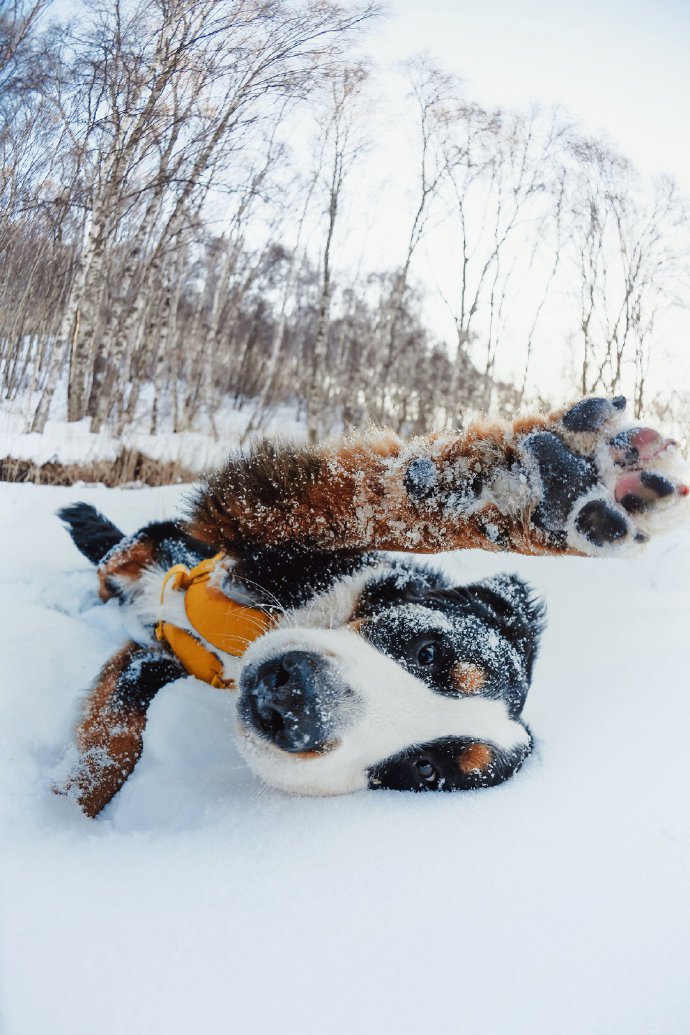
x=427 y=654
x=426 y=770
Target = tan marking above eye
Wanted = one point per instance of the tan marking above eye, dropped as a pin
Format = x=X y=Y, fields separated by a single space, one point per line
x=475 y=757
x=468 y=678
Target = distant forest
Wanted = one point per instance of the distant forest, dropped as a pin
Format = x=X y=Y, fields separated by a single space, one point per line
x=166 y=246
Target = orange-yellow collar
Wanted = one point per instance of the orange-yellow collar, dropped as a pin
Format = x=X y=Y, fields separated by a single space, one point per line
x=218 y=620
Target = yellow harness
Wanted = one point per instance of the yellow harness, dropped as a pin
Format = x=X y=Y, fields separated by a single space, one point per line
x=219 y=621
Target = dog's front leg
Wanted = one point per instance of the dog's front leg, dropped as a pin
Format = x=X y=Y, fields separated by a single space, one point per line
x=576 y=482
x=109 y=736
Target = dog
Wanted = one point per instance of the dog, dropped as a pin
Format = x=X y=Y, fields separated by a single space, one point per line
x=348 y=668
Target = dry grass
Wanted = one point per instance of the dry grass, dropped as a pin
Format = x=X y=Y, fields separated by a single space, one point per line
x=129 y=467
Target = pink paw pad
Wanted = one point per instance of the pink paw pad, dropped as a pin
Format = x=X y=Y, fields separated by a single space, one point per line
x=638 y=445
x=639 y=490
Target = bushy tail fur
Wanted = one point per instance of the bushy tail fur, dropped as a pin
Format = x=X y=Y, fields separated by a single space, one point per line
x=92 y=533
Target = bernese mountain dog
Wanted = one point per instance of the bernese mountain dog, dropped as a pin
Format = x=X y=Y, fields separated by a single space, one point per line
x=345 y=666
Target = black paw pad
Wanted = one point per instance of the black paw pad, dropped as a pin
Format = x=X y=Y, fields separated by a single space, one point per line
x=600 y=523
x=657 y=484
x=564 y=477
x=624 y=452
x=633 y=504
x=420 y=478
x=591 y=414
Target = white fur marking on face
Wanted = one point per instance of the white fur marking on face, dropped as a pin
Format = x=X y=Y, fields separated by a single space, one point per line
x=394 y=711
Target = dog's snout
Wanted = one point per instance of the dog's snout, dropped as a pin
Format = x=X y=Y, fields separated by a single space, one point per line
x=281 y=700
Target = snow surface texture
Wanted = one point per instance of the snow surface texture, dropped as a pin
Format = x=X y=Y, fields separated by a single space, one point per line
x=201 y=902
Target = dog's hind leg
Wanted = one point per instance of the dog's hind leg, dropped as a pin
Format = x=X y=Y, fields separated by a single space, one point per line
x=109 y=736
x=121 y=559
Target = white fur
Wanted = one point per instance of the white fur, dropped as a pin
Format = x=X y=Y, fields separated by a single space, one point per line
x=509 y=492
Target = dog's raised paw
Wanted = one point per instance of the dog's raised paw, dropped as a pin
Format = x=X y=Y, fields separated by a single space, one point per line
x=600 y=485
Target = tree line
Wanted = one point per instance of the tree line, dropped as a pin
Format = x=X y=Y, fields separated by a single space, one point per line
x=177 y=183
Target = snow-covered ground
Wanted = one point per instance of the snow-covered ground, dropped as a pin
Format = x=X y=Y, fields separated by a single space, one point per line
x=75 y=443
x=202 y=902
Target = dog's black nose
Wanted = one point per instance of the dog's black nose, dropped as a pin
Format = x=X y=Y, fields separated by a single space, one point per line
x=281 y=700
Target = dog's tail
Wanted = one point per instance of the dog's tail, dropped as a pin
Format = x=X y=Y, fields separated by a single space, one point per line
x=92 y=533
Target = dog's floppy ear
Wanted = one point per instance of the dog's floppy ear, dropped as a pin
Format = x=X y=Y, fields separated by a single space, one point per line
x=514 y=609
x=506 y=602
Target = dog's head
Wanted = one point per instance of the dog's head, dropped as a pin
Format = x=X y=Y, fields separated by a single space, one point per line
x=392 y=680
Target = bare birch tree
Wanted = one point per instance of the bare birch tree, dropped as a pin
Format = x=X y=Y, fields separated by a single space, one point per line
x=341 y=147
x=501 y=169
x=166 y=90
x=430 y=90
x=630 y=249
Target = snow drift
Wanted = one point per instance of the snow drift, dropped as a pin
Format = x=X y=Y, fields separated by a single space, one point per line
x=201 y=901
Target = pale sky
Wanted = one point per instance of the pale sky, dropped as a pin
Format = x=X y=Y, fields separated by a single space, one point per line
x=622 y=66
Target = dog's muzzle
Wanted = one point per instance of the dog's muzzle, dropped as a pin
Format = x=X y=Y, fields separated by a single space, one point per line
x=291 y=700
